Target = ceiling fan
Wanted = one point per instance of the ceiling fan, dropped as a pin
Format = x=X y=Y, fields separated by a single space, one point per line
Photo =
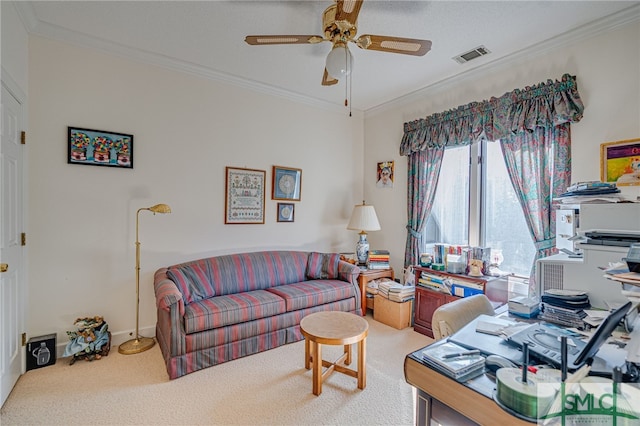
x=340 y=22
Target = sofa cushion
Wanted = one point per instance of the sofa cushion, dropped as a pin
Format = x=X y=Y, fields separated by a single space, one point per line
x=236 y=273
x=323 y=266
x=192 y=281
x=313 y=293
x=231 y=309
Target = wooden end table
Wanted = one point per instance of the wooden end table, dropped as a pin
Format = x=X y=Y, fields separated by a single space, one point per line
x=367 y=275
x=334 y=328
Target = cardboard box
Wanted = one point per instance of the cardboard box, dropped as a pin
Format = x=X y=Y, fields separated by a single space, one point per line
x=394 y=314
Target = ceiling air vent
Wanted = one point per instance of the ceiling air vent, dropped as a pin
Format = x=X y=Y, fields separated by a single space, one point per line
x=472 y=54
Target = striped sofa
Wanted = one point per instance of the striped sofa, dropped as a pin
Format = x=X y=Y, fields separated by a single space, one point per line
x=221 y=308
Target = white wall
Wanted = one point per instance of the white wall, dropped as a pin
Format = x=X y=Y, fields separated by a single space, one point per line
x=81 y=219
x=186 y=130
x=607 y=67
x=14 y=42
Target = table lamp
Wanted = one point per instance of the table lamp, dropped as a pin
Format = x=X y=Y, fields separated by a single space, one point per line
x=140 y=344
x=363 y=219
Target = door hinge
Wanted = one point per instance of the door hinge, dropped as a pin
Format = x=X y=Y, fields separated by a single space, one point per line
x=24 y=339
x=23 y=137
x=23 y=239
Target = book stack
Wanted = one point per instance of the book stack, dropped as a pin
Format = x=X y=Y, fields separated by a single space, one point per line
x=565 y=307
x=396 y=292
x=453 y=360
x=440 y=251
x=434 y=282
x=378 y=259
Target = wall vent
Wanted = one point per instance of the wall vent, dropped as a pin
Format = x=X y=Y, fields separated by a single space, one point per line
x=552 y=276
x=472 y=54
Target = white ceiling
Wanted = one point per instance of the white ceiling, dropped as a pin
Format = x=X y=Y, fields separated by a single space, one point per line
x=207 y=38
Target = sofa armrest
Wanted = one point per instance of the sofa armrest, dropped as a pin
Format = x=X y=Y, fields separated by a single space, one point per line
x=167 y=293
x=349 y=272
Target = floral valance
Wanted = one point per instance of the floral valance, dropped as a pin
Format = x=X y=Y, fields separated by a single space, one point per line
x=543 y=105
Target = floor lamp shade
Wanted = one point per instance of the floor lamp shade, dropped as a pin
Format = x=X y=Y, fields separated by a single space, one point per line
x=140 y=344
x=363 y=219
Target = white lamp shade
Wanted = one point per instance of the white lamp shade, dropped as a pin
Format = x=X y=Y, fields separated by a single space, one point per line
x=364 y=218
x=339 y=62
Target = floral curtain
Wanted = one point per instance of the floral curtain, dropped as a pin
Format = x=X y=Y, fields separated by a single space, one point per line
x=522 y=112
x=539 y=165
x=424 y=170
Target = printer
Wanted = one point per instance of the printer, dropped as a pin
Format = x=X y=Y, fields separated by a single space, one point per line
x=603 y=234
x=604 y=237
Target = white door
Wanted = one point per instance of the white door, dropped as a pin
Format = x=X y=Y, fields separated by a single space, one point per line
x=12 y=281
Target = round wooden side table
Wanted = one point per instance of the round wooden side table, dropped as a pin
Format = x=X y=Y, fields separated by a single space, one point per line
x=334 y=328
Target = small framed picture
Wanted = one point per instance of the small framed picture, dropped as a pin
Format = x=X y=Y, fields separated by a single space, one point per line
x=384 y=174
x=244 y=196
x=99 y=148
x=286 y=212
x=620 y=162
x=287 y=183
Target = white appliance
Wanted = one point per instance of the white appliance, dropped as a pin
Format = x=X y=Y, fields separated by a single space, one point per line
x=563 y=272
x=567 y=223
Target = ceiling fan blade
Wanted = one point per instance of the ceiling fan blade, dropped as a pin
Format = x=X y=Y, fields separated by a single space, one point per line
x=327 y=80
x=348 y=10
x=256 y=40
x=406 y=46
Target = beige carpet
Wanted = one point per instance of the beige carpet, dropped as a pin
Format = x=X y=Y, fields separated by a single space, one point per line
x=271 y=388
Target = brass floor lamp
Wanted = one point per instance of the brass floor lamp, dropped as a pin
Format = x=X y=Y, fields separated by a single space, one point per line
x=140 y=344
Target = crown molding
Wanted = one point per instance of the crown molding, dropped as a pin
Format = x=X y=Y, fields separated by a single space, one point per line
x=601 y=26
x=43 y=29
x=36 y=27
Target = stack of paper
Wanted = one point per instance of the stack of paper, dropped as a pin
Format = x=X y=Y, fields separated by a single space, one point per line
x=494 y=325
x=396 y=292
x=454 y=360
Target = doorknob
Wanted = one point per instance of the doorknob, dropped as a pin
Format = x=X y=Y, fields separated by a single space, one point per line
x=4 y=267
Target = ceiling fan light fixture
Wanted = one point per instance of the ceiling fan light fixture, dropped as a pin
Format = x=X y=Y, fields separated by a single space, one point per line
x=339 y=62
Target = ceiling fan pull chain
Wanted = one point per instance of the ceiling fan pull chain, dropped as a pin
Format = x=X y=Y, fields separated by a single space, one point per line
x=346 y=85
x=350 y=87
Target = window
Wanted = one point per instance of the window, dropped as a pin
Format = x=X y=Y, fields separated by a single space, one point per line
x=475 y=205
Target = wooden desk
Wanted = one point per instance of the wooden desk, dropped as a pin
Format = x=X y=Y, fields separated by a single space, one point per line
x=435 y=388
x=367 y=275
x=427 y=300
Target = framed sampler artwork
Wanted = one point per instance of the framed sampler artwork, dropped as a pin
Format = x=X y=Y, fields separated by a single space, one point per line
x=286 y=212
x=286 y=184
x=244 y=196
x=99 y=148
x=620 y=162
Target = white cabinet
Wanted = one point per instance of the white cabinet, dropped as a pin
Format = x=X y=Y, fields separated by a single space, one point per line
x=562 y=272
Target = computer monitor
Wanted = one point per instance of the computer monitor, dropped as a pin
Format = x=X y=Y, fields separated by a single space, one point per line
x=601 y=334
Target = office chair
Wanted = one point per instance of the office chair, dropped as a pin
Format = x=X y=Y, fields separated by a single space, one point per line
x=449 y=318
